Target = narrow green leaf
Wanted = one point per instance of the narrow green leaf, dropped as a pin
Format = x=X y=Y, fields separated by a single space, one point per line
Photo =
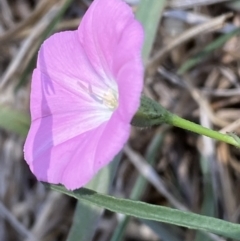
x=87 y=216
x=162 y=230
x=118 y=234
x=140 y=185
x=208 y=205
x=13 y=120
x=154 y=212
x=234 y=5
x=149 y=13
x=58 y=17
x=202 y=55
x=151 y=155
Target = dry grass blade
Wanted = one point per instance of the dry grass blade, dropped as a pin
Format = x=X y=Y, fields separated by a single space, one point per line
x=40 y=229
x=203 y=103
x=211 y=25
x=150 y=174
x=191 y=17
x=64 y=25
x=231 y=127
x=193 y=3
x=5 y=213
x=28 y=45
x=41 y=9
x=6 y=13
x=207 y=92
x=196 y=95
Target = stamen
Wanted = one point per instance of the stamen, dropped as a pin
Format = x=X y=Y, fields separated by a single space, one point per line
x=109 y=98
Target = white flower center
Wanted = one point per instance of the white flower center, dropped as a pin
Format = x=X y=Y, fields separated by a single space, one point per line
x=109 y=98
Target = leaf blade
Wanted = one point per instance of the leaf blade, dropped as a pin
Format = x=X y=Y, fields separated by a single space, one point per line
x=84 y=231
x=154 y=212
x=149 y=13
x=14 y=121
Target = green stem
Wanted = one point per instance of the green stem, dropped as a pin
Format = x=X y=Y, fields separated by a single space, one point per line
x=188 y=125
x=151 y=113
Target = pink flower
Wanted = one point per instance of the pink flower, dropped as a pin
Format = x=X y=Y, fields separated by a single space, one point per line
x=85 y=90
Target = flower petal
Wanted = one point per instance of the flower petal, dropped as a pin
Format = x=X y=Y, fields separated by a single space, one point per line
x=73 y=134
x=58 y=115
x=74 y=162
x=130 y=87
x=70 y=163
x=112 y=41
x=101 y=33
x=113 y=138
x=63 y=59
x=98 y=149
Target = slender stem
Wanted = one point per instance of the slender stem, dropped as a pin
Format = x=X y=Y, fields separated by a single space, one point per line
x=151 y=113
x=188 y=125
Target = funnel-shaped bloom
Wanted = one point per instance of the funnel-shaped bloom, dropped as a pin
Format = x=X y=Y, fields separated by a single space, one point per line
x=85 y=90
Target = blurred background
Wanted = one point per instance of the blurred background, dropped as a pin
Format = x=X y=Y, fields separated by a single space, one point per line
x=192 y=59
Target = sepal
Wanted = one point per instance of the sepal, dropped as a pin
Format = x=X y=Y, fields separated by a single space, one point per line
x=150 y=113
